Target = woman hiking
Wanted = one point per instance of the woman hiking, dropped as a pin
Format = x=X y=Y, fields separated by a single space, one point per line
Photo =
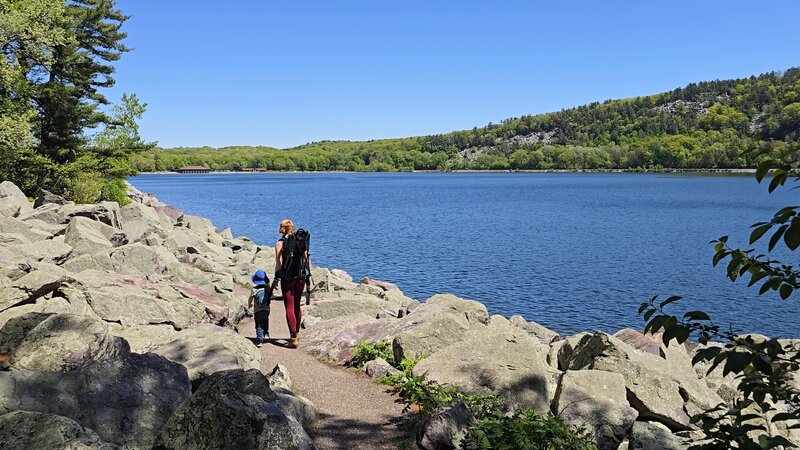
x=292 y=266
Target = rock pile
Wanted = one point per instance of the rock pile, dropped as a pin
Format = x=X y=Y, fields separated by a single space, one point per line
x=115 y=322
x=627 y=389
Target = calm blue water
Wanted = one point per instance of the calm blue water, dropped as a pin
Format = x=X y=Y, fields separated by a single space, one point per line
x=571 y=251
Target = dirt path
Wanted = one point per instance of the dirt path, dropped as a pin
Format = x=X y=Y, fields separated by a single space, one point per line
x=354 y=412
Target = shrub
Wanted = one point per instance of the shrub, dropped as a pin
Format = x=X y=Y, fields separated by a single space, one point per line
x=115 y=190
x=364 y=352
x=494 y=427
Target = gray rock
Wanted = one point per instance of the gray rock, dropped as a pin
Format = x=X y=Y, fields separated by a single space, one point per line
x=137 y=259
x=383 y=285
x=34 y=284
x=378 y=368
x=25 y=229
x=144 y=338
x=233 y=409
x=57 y=342
x=341 y=274
x=25 y=430
x=295 y=406
x=280 y=377
x=97 y=261
x=139 y=220
x=13 y=202
x=49 y=213
x=132 y=300
x=204 y=349
x=46 y=196
x=665 y=389
x=126 y=401
x=449 y=429
x=47 y=250
x=499 y=359
x=596 y=400
x=87 y=236
x=541 y=332
x=440 y=321
x=105 y=212
x=654 y=436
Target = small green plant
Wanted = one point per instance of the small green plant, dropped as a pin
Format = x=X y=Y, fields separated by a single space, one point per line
x=527 y=430
x=365 y=351
x=494 y=427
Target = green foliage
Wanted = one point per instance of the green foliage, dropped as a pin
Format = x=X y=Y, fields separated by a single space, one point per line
x=717 y=124
x=55 y=56
x=115 y=190
x=526 y=430
x=364 y=352
x=494 y=427
x=766 y=369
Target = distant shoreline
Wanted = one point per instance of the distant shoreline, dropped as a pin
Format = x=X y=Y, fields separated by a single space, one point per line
x=698 y=171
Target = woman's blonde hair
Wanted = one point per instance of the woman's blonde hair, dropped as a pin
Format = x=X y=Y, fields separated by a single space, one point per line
x=287 y=227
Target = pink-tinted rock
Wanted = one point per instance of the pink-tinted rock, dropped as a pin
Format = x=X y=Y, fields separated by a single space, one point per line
x=385 y=285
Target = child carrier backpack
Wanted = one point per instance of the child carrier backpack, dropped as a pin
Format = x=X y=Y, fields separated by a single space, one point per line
x=294 y=263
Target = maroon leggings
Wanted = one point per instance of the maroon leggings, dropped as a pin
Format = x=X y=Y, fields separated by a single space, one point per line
x=292 y=297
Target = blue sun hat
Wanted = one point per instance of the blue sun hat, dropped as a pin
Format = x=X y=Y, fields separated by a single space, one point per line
x=260 y=277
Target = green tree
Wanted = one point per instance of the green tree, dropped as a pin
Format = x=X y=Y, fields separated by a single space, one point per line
x=68 y=96
x=767 y=370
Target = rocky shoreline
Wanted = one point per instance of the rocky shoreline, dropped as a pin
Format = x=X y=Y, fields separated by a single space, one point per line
x=117 y=327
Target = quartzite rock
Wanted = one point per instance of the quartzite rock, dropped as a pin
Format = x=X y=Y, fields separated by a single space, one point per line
x=13 y=202
x=449 y=429
x=596 y=400
x=440 y=321
x=125 y=401
x=57 y=342
x=233 y=409
x=499 y=358
x=205 y=349
x=654 y=436
x=25 y=430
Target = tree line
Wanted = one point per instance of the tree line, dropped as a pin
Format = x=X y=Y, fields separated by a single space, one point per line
x=715 y=124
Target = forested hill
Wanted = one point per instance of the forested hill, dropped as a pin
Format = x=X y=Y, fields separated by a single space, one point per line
x=702 y=125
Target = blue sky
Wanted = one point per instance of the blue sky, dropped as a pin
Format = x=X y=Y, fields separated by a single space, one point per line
x=285 y=73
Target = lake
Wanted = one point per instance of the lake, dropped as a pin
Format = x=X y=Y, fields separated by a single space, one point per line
x=573 y=252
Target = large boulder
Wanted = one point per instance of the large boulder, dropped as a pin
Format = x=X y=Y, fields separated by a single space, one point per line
x=664 y=389
x=144 y=338
x=49 y=213
x=30 y=283
x=126 y=400
x=138 y=220
x=104 y=212
x=49 y=250
x=448 y=429
x=654 y=436
x=25 y=430
x=57 y=342
x=233 y=409
x=134 y=300
x=205 y=349
x=28 y=229
x=46 y=196
x=13 y=202
x=440 y=321
x=87 y=236
x=295 y=406
x=496 y=359
x=596 y=400
x=541 y=332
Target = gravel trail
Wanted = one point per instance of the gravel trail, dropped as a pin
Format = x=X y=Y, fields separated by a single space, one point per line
x=354 y=412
